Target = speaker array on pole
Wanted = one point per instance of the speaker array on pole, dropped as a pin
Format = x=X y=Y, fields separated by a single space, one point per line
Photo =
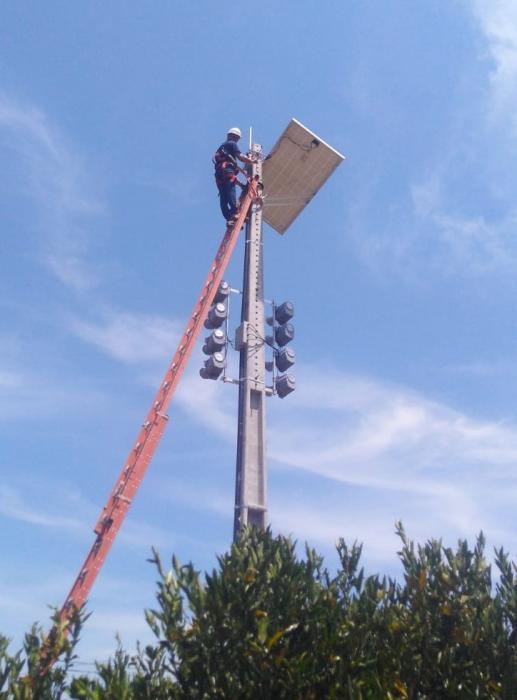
x=216 y=343
x=283 y=334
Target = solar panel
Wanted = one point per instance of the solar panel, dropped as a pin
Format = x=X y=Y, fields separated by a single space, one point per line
x=297 y=167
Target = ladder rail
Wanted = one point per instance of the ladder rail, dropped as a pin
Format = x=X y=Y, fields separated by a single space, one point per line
x=149 y=436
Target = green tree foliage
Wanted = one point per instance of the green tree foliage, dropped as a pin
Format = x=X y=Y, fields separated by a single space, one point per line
x=268 y=623
x=28 y=675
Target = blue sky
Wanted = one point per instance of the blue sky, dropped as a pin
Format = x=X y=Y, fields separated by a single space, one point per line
x=402 y=270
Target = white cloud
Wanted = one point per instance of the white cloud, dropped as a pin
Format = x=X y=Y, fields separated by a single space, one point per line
x=28 y=601
x=70 y=513
x=71 y=269
x=14 y=507
x=53 y=177
x=119 y=621
x=418 y=459
x=141 y=535
x=485 y=369
x=383 y=432
x=312 y=524
x=471 y=245
x=437 y=468
x=458 y=214
x=198 y=496
x=143 y=338
x=360 y=430
x=205 y=401
x=498 y=21
x=437 y=233
x=118 y=607
x=130 y=337
x=10 y=380
x=27 y=394
x=98 y=641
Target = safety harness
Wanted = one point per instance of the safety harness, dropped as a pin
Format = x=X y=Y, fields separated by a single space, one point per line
x=225 y=167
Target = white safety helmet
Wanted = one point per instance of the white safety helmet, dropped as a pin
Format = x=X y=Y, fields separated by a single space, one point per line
x=235 y=131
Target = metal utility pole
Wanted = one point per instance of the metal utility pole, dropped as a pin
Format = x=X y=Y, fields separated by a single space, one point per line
x=251 y=473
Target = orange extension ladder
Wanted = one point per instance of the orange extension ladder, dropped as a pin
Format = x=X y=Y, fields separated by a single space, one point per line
x=142 y=452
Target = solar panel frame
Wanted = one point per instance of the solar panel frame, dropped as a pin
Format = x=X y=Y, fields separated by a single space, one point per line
x=299 y=164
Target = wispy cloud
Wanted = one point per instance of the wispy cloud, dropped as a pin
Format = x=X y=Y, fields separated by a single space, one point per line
x=471 y=244
x=498 y=21
x=433 y=464
x=143 y=339
x=415 y=457
x=50 y=173
x=485 y=369
x=29 y=601
x=14 y=507
x=141 y=535
x=456 y=213
x=27 y=394
x=10 y=380
x=336 y=419
x=197 y=496
x=68 y=512
x=323 y=526
x=98 y=639
x=205 y=401
x=385 y=433
x=130 y=337
x=444 y=228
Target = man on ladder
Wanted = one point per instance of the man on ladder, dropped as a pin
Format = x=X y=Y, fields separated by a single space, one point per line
x=226 y=170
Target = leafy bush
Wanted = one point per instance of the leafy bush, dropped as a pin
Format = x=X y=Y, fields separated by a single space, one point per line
x=28 y=675
x=267 y=623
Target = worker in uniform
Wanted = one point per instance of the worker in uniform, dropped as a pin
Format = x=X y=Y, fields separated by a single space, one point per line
x=226 y=170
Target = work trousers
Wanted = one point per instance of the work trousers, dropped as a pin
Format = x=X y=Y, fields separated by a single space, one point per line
x=228 y=199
